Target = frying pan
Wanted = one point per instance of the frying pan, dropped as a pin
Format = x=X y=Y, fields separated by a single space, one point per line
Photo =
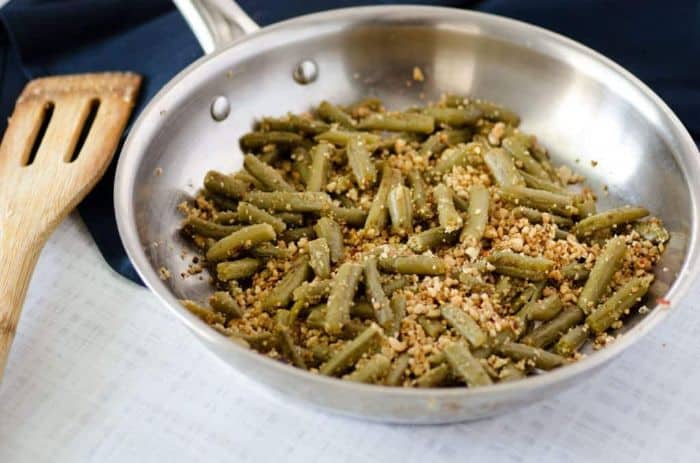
x=582 y=106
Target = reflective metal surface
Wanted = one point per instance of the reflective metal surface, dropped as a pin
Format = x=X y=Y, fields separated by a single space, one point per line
x=583 y=107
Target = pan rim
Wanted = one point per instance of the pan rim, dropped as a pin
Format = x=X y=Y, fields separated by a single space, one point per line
x=686 y=155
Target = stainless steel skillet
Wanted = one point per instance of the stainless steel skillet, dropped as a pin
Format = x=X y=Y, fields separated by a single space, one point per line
x=581 y=105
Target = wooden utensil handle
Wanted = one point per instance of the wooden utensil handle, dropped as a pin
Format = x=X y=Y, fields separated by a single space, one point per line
x=18 y=258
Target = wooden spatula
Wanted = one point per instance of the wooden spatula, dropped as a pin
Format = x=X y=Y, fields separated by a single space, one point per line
x=58 y=143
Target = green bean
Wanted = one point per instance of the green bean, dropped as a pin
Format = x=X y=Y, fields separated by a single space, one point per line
x=535 y=216
x=301 y=163
x=540 y=200
x=477 y=215
x=436 y=358
x=400 y=210
x=372 y=371
x=418 y=265
x=607 y=263
x=575 y=271
x=237 y=269
x=332 y=113
x=281 y=294
x=225 y=218
x=282 y=201
x=351 y=352
x=461 y=204
x=430 y=239
x=293 y=123
x=269 y=154
x=329 y=230
x=398 y=370
x=502 y=168
x=544 y=184
x=342 y=137
x=223 y=302
x=245 y=177
x=539 y=357
x=319 y=257
x=221 y=202
x=448 y=216
x=256 y=140
x=544 y=309
x=320 y=161
x=520 y=265
x=251 y=214
x=460 y=155
x=361 y=163
x=435 y=377
x=398 y=307
x=395 y=284
x=653 y=231
x=352 y=216
x=341 y=297
x=203 y=313
x=208 y=229
x=419 y=190
x=585 y=205
x=436 y=143
x=312 y=292
x=510 y=372
x=464 y=324
x=519 y=149
x=291 y=218
x=362 y=309
x=455 y=117
x=618 y=304
x=504 y=288
x=245 y=238
x=465 y=366
x=266 y=174
x=433 y=328
x=472 y=283
x=548 y=333
x=572 y=340
x=378 y=214
x=608 y=219
x=295 y=234
x=494 y=112
x=224 y=185
x=398 y=122
x=287 y=346
x=316 y=317
x=375 y=294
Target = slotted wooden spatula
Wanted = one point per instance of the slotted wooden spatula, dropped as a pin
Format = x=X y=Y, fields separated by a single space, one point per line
x=58 y=143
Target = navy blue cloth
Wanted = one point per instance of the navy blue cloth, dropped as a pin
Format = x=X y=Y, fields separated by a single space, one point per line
x=659 y=41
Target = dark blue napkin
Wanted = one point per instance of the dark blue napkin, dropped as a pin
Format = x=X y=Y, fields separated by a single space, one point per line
x=659 y=41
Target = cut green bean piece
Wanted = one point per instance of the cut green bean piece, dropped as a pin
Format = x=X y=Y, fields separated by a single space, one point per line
x=461 y=155
x=293 y=123
x=245 y=238
x=398 y=122
x=332 y=113
x=291 y=218
x=342 y=138
x=400 y=210
x=319 y=257
x=585 y=205
x=572 y=340
x=395 y=284
x=378 y=214
x=281 y=294
x=221 y=202
x=544 y=309
x=436 y=143
x=237 y=269
x=351 y=352
x=419 y=190
x=494 y=112
x=223 y=302
x=301 y=163
x=575 y=271
x=329 y=230
x=287 y=346
x=430 y=239
x=283 y=201
x=245 y=177
x=375 y=294
x=502 y=168
x=455 y=117
x=541 y=200
x=270 y=251
x=535 y=216
x=205 y=314
x=607 y=263
x=548 y=333
x=257 y=140
x=448 y=216
x=517 y=148
x=461 y=204
x=269 y=154
x=618 y=304
x=510 y=372
x=372 y=371
x=295 y=234
x=266 y=174
x=465 y=366
x=352 y=216
x=398 y=307
x=361 y=163
x=362 y=309
x=320 y=162
x=520 y=265
x=398 y=370
x=608 y=219
x=312 y=292
x=316 y=317
x=464 y=324
x=653 y=231
x=249 y=213
x=547 y=185
x=225 y=185
x=477 y=215
x=208 y=229
x=432 y=327
x=225 y=218
x=418 y=265
x=539 y=357
x=341 y=297
x=435 y=377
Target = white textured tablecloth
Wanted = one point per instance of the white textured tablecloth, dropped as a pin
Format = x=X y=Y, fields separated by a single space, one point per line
x=101 y=372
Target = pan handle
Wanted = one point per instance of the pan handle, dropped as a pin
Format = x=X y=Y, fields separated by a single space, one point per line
x=215 y=23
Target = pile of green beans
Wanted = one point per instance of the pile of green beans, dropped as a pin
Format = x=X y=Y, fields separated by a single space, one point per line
x=280 y=240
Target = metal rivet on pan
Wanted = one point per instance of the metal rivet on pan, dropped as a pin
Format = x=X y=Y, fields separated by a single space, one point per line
x=305 y=72
x=220 y=108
